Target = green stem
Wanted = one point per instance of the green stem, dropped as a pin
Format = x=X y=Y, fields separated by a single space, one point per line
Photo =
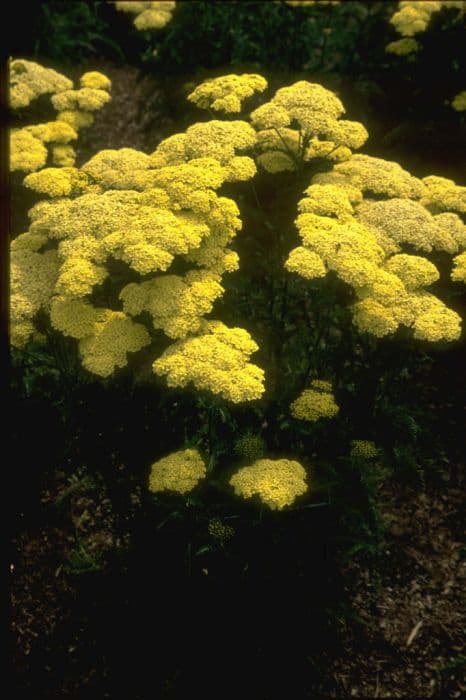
x=254 y=191
x=288 y=149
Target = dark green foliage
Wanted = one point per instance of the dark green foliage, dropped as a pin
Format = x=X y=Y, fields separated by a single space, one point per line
x=82 y=561
x=65 y=32
x=270 y=34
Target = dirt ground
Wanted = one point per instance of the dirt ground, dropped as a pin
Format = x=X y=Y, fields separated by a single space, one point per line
x=403 y=639
x=411 y=639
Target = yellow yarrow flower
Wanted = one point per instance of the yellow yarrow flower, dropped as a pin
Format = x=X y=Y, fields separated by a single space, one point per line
x=276 y=162
x=314 y=112
x=459 y=269
x=364 y=449
x=361 y=241
x=270 y=116
x=113 y=337
x=459 y=101
x=227 y=92
x=86 y=99
x=57 y=182
x=348 y=248
x=96 y=81
x=452 y=225
x=402 y=47
x=413 y=270
x=306 y=263
x=217 y=360
x=219 y=530
x=371 y=316
x=180 y=472
x=414 y=16
x=380 y=177
x=56 y=132
x=434 y=322
x=405 y=221
x=442 y=194
x=327 y=200
x=204 y=143
x=277 y=482
x=78 y=277
x=27 y=150
x=32 y=282
x=176 y=304
x=29 y=241
x=149 y=15
x=27 y=153
x=29 y=80
x=74 y=317
x=76 y=118
x=315 y=402
x=63 y=156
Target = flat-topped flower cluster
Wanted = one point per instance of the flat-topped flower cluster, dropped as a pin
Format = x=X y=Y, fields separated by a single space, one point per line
x=148 y=15
x=358 y=219
x=75 y=107
x=152 y=212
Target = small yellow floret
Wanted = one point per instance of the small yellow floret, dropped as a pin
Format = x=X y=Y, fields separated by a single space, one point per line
x=402 y=47
x=316 y=402
x=364 y=449
x=459 y=102
x=95 y=80
x=277 y=482
x=180 y=472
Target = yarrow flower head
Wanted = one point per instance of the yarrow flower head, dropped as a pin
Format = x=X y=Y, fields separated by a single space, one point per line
x=402 y=47
x=459 y=270
x=249 y=446
x=227 y=93
x=277 y=482
x=28 y=81
x=220 y=141
x=344 y=229
x=179 y=472
x=57 y=182
x=442 y=194
x=176 y=304
x=220 y=531
x=413 y=17
x=364 y=449
x=33 y=275
x=217 y=360
x=144 y=211
x=459 y=101
x=303 y=122
x=148 y=15
x=378 y=176
x=316 y=402
x=110 y=343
